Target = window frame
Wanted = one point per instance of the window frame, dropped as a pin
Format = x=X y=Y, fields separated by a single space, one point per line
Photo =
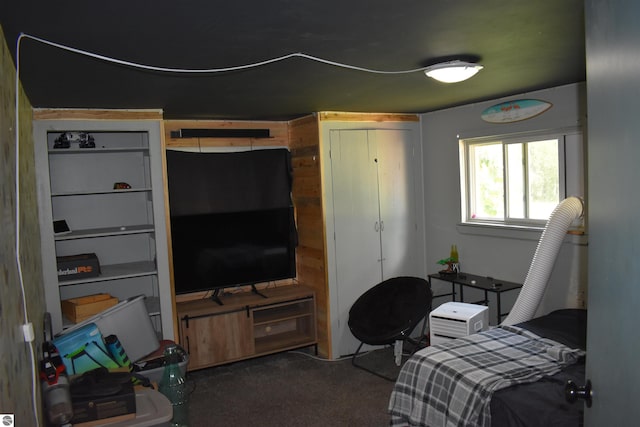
x=505 y=140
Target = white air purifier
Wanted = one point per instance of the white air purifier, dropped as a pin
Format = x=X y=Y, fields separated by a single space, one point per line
x=457 y=319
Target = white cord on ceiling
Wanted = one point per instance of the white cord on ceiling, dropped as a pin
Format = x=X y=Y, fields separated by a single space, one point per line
x=215 y=70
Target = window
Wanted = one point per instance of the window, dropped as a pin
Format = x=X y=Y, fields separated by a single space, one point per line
x=516 y=180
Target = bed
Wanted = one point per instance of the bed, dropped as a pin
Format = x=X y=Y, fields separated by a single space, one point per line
x=507 y=376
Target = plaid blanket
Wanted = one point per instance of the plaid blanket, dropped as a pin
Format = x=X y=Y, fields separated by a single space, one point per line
x=451 y=384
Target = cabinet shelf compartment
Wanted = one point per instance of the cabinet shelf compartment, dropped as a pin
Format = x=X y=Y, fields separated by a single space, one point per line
x=283 y=326
x=152 y=305
x=95 y=172
x=106 y=231
x=116 y=272
x=285 y=311
x=283 y=341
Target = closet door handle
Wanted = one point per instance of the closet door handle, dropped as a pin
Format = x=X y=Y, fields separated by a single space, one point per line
x=381 y=225
x=376 y=227
x=573 y=392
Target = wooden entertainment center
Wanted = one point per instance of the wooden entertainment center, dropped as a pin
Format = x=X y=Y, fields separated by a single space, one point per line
x=307 y=138
x=247 y=325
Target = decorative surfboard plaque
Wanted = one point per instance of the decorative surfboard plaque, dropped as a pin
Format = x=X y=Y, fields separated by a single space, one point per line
x=515 y=111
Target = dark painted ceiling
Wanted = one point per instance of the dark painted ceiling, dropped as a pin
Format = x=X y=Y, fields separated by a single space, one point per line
x=524 y=45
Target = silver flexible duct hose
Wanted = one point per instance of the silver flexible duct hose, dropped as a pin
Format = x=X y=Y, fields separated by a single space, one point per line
x=545 y=256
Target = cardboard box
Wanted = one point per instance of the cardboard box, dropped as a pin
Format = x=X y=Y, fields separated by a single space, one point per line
x=79 y=266
x=89 y=408
x=79 y=309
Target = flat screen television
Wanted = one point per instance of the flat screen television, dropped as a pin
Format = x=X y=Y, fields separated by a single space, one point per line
x=232 y=219
x=214 y=251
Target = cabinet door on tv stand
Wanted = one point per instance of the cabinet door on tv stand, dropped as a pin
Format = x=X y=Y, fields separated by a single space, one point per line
x=215 y=339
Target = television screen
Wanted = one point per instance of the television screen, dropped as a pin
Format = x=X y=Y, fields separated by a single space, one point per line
x=232 y=219
x=214 y=251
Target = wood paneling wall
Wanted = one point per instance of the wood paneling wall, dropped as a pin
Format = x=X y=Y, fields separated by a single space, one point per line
x=301 y=136
x=304 y=143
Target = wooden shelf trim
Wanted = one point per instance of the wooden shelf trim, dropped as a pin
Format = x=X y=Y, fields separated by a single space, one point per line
x=278 y=131
x=367 y=117
x=92 y=114
x=63 y=151
x=282 y=342
x=110 y=191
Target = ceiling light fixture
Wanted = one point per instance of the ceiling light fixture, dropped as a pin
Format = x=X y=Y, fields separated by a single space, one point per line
x=452 y=71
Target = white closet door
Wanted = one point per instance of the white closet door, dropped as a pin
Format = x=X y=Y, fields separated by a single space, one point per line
x=397 y=202
x=356 y=222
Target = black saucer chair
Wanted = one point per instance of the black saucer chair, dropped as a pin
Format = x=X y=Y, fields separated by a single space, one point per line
x=389 y=312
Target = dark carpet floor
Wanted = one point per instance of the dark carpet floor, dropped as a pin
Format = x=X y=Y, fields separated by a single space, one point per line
x=292 y=389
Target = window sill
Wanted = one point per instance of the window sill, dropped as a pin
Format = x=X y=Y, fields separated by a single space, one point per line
x=516 y=232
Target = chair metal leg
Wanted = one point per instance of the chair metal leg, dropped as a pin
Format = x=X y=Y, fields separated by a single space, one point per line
x=364 y=368
x=397 y=351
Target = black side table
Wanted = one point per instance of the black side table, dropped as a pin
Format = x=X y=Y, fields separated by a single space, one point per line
x=484 y=283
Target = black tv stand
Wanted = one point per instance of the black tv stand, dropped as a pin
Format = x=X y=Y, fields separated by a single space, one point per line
x=257 y=292
x=215 y=296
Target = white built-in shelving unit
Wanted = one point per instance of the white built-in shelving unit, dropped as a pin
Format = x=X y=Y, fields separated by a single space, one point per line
x=124 y=227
